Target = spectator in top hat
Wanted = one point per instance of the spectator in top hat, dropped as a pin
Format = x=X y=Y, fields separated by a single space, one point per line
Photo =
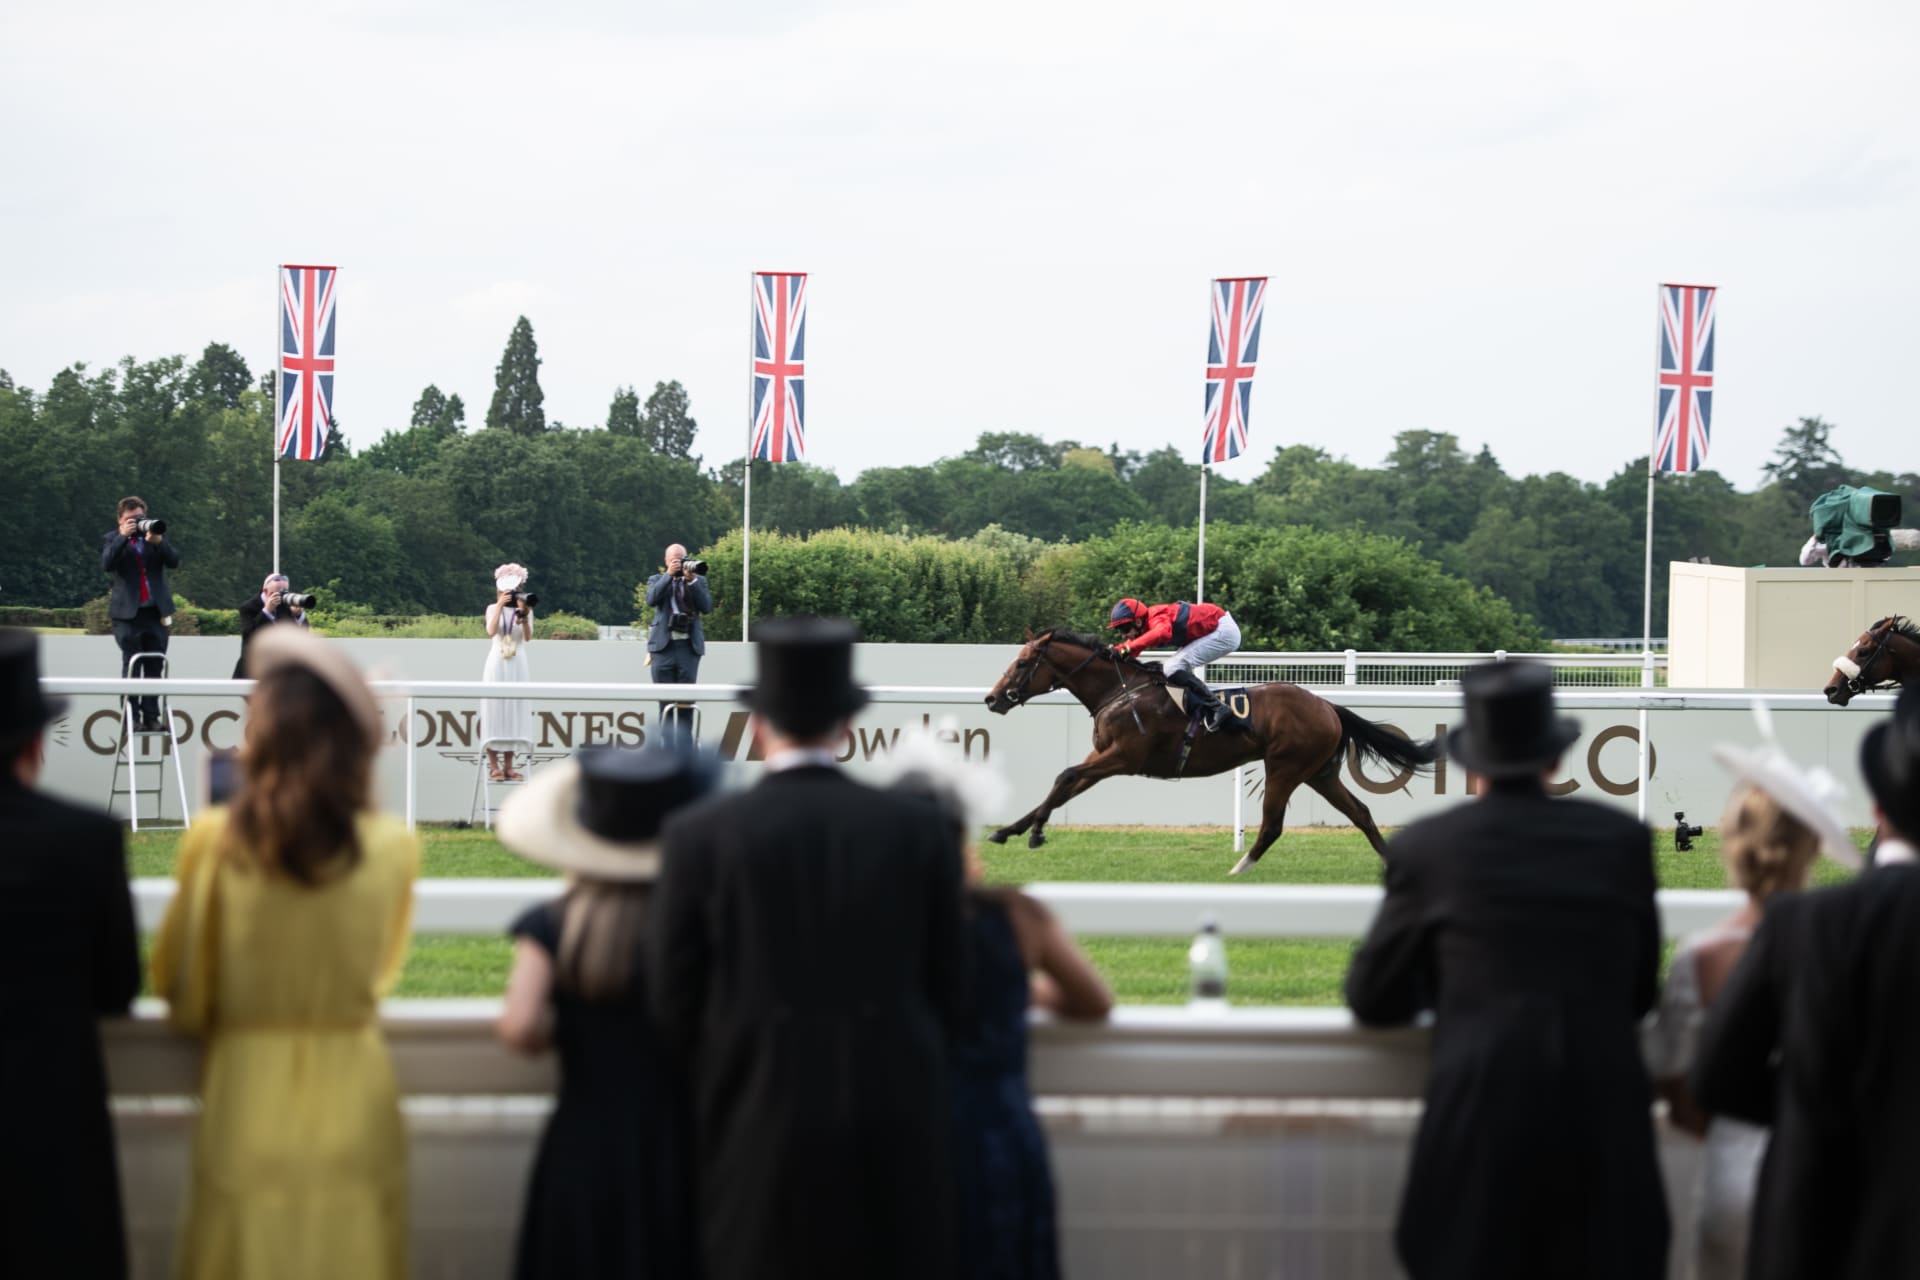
x=1815 y=1035
x=68 y=955
x=608 y=1192
x=805 y=956
x=1527 y=925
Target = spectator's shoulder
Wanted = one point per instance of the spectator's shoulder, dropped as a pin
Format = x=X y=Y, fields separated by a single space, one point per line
x=1606 y=819
x=51 y=813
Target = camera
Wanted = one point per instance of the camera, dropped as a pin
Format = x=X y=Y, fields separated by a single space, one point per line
x=149 y=525
x=695 y=566
x=1683 y=835
x=296 y=600
x=528 y=601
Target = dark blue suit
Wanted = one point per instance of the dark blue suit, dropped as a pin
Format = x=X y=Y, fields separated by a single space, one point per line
x=139 y=628
x=677 y=660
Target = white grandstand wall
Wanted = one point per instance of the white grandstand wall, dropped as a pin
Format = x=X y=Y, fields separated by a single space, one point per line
x=1031 y=744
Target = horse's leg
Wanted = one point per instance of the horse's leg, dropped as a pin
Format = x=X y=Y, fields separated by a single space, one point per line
x=1072 y=780
x=1327 y=782
x=1273 y=817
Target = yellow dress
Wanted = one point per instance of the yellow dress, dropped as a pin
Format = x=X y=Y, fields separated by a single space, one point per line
x=299 y=1158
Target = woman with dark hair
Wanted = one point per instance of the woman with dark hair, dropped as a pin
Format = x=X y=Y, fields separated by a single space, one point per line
x=291 y=917
x=1019 y=956
x=607 y=1197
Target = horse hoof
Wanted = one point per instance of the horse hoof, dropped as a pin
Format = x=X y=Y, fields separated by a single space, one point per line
x=1246 y=860
x=998 y=837
x=1035 y=840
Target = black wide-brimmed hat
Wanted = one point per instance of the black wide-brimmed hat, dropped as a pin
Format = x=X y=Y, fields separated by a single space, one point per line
x=1511 y=727
x=24 y=710
x=1890 y=759
x=805 y=680
x=599 y=814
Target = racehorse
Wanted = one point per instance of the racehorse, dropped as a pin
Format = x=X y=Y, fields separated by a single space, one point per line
x=1885 y=653
x=1137 y=730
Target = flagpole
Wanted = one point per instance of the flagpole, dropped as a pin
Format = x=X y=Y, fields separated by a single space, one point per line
x=1646 y=593
x=1200 y=587
x=278 y=286
x=746 y=475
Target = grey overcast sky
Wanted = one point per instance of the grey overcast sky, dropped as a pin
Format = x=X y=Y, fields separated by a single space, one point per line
x=1010 y=210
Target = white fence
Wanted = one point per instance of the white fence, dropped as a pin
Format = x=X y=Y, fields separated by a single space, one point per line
x=486 y=907
x=1350 y=668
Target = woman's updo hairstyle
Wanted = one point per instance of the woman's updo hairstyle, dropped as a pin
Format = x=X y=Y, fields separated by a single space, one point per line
x=1765 y=848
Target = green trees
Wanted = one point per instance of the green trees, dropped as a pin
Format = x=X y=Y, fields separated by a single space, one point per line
x=517 y=398
x=668 y=427
x=623 y=414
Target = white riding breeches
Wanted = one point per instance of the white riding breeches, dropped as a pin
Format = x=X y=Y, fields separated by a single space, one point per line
x=1212 y=647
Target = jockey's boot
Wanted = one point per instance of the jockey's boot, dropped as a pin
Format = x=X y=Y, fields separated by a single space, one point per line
x=1201 y=696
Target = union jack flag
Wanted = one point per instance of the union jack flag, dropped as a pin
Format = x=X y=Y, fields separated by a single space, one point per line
x=1686 y=377
x=306 y=360
x=1232 y=347
x=779 y=365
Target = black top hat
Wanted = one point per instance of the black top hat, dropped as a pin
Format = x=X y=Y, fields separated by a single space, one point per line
x=1511 y=728
x=805 y=684
x=1890 y=758
x=24 y=710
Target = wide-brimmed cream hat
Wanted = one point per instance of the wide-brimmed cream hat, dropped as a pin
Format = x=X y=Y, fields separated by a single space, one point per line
x=599 y=814
x=1810 y=795
x=273 y=648
x=510 y=577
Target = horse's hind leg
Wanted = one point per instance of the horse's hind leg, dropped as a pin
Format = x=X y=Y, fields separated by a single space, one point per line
x=1327 y=782
x=1273 y=818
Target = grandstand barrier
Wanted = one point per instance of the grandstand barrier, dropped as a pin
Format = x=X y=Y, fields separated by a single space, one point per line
x=487 y=907
x=1245 y=1143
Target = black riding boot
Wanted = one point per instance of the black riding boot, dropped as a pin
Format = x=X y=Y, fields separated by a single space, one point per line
x=1202 y=697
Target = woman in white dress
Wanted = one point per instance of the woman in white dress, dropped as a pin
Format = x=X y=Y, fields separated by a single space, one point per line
x=509 y=632
x=1778 y=821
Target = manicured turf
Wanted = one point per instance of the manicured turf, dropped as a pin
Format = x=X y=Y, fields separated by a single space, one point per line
x=1304 y=971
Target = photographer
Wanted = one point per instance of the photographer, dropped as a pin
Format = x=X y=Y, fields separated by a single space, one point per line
x=137 y=555
x=277 y=603
x=676 y=640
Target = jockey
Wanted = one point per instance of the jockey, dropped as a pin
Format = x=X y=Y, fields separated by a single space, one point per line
x=1201 y=633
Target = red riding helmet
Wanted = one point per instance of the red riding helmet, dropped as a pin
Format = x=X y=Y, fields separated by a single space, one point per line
x=1126 y=613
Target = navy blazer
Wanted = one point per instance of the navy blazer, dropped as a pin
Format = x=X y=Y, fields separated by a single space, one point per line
x=118 y=558
x=699 y=601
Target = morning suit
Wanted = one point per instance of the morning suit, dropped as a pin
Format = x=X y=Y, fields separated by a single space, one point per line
x=1528 y=926
x=806 y=948
x=1815 y=1034
x=139 y=601
x=253 y=618
x=68 y=955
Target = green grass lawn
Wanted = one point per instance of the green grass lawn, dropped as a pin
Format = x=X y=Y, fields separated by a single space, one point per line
x=1303 y=971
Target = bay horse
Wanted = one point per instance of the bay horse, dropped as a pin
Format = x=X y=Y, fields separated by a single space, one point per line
x=1886 y=653
x=1138 y=731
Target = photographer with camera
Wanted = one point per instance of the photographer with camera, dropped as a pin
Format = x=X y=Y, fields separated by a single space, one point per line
x=137 y=556
x=509 y=632
x=676 y=641
x=277 y=604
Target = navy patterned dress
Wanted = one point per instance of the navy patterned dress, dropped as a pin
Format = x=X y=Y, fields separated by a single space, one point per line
x=1006 y=1191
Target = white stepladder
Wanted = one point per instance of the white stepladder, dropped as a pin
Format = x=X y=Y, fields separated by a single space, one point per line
x=679 y=720
x=130 y=759
x=483 y=808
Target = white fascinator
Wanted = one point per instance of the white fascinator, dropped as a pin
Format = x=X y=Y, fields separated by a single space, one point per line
x=921 y=762
x=1811 y=795
x=510 y=577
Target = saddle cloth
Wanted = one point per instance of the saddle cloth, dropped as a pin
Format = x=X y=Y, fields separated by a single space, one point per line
x=1236 y=699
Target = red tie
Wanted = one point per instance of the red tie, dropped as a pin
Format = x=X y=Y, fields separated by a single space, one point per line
x=140 y=555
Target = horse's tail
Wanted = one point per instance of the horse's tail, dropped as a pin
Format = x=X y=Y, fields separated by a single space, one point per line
x=1379 y=743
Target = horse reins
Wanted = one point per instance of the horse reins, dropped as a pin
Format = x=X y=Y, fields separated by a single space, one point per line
x=1020 y=696
x=1856 y=672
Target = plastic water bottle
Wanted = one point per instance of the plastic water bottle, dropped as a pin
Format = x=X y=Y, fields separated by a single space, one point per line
x=1207 y=967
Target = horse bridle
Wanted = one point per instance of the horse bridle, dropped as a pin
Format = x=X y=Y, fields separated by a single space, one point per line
x=1019 y=697
x=1857 y=681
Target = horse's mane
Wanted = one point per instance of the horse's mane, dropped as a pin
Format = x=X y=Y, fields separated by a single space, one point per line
x=1086 y=641
x=1904 y=626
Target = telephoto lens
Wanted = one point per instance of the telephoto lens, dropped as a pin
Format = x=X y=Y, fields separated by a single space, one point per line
x=296 y=599
x=527 y=601
x=695 y=566
x=150 y=526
